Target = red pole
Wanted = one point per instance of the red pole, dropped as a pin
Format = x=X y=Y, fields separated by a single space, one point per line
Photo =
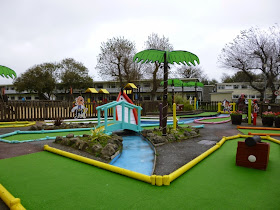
x=255 y=118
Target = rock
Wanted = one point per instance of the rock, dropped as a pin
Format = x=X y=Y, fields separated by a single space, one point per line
x=159 y=139
x=83 y=145
x=108 y=151
x=86 y=135
x=170 y=137
x=70 y=135
x=96 y=148
x=33 y=128
x=73 y=141
x=58 y=139
x=193 y=133
x=115 y=146
x=71 y=125
x=151 y=135
x=145 y=132
x=77 y=144
x=115 y=141
x=187 y=133
x=65 y=141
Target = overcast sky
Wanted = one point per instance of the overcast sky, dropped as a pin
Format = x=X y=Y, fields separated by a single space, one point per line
x=38 y=31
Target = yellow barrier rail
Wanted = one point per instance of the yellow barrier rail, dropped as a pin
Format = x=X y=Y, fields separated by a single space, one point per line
x=153 y=179
x=122 y=171
x=16 y=124
x=12 y=202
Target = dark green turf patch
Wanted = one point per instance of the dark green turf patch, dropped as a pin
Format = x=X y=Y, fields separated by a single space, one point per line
x=47 y=181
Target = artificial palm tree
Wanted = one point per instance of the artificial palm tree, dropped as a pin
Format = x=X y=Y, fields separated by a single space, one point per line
x=166 y=57
x=7 y=72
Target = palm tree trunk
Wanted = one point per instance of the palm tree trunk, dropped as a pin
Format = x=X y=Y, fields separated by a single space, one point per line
x=165 y=104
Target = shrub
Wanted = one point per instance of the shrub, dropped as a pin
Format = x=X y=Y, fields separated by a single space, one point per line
x=235 y=113
x=268 y=114
x=179 y=99
x=58 y=121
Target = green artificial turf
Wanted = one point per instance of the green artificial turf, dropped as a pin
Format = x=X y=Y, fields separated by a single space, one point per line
x=32 y=136
x=203 y=114
x=215 y=119
x=47 y=181
x=246 y=131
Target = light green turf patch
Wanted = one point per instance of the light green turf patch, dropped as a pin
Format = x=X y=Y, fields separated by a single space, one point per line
x=246 y=131
x=47 y=181
x=33 y=136
x=215 y=119
x=203 y=114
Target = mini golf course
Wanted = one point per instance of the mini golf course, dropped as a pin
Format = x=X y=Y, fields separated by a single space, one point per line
x=16 y=124
x=48 y=181
x=212 y=120
x=256 y=131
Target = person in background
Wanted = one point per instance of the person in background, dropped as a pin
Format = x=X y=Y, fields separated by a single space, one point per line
x=241 y=103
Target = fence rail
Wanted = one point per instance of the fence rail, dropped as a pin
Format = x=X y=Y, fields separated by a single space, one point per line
x=41 y=110
x=50 y=110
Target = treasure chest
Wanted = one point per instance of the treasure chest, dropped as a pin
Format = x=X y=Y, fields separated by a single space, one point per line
x=252 y=153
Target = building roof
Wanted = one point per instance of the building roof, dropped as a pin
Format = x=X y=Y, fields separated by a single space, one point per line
x=91 y=90
x=103 y=91
x=130 y=85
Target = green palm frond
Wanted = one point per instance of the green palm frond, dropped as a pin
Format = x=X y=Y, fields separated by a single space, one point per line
x=179 y=57
x=183 y=57
x=7 y=72
x=151 y=55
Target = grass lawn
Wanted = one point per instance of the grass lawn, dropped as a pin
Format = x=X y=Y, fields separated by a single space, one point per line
x=47 y=181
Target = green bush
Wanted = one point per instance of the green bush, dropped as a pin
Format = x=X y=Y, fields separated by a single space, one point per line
x=179 y=100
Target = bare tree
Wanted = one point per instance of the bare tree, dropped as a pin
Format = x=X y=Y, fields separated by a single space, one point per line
x=153 y=70
x=116 y=60
x=253 y=52
x=190 y=72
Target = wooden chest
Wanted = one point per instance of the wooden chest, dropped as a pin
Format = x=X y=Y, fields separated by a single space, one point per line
x=253 y=157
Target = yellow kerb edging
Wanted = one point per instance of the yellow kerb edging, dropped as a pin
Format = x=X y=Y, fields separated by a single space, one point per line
x=153 y=179
x=12 y=202
x=125 y=172
x=16 y=124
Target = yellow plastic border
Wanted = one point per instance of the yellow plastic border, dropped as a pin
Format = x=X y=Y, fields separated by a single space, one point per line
x=16 y=124
x=153 y=179
x=12 y=202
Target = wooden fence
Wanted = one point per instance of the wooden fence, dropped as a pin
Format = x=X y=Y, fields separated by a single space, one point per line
x=50 y=110
x=41 y=110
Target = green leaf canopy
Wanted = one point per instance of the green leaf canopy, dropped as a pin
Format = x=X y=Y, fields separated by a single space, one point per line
x=176 y=82
x=190 y=84
x=7 y=72
x=178 y=56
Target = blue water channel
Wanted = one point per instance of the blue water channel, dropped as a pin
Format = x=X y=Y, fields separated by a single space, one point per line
x=137 y=155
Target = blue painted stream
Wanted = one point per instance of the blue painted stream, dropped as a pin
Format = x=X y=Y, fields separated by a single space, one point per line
x=137 y=155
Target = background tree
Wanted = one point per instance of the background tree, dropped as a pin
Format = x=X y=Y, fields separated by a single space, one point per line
x=74 y=74
x=194 y=72
x=240 y=76
x=116 y=61
x=153 y=70
x=39 y=78
x=253 y=52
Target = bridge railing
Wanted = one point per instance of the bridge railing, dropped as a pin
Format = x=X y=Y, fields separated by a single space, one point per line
x=124 y=105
